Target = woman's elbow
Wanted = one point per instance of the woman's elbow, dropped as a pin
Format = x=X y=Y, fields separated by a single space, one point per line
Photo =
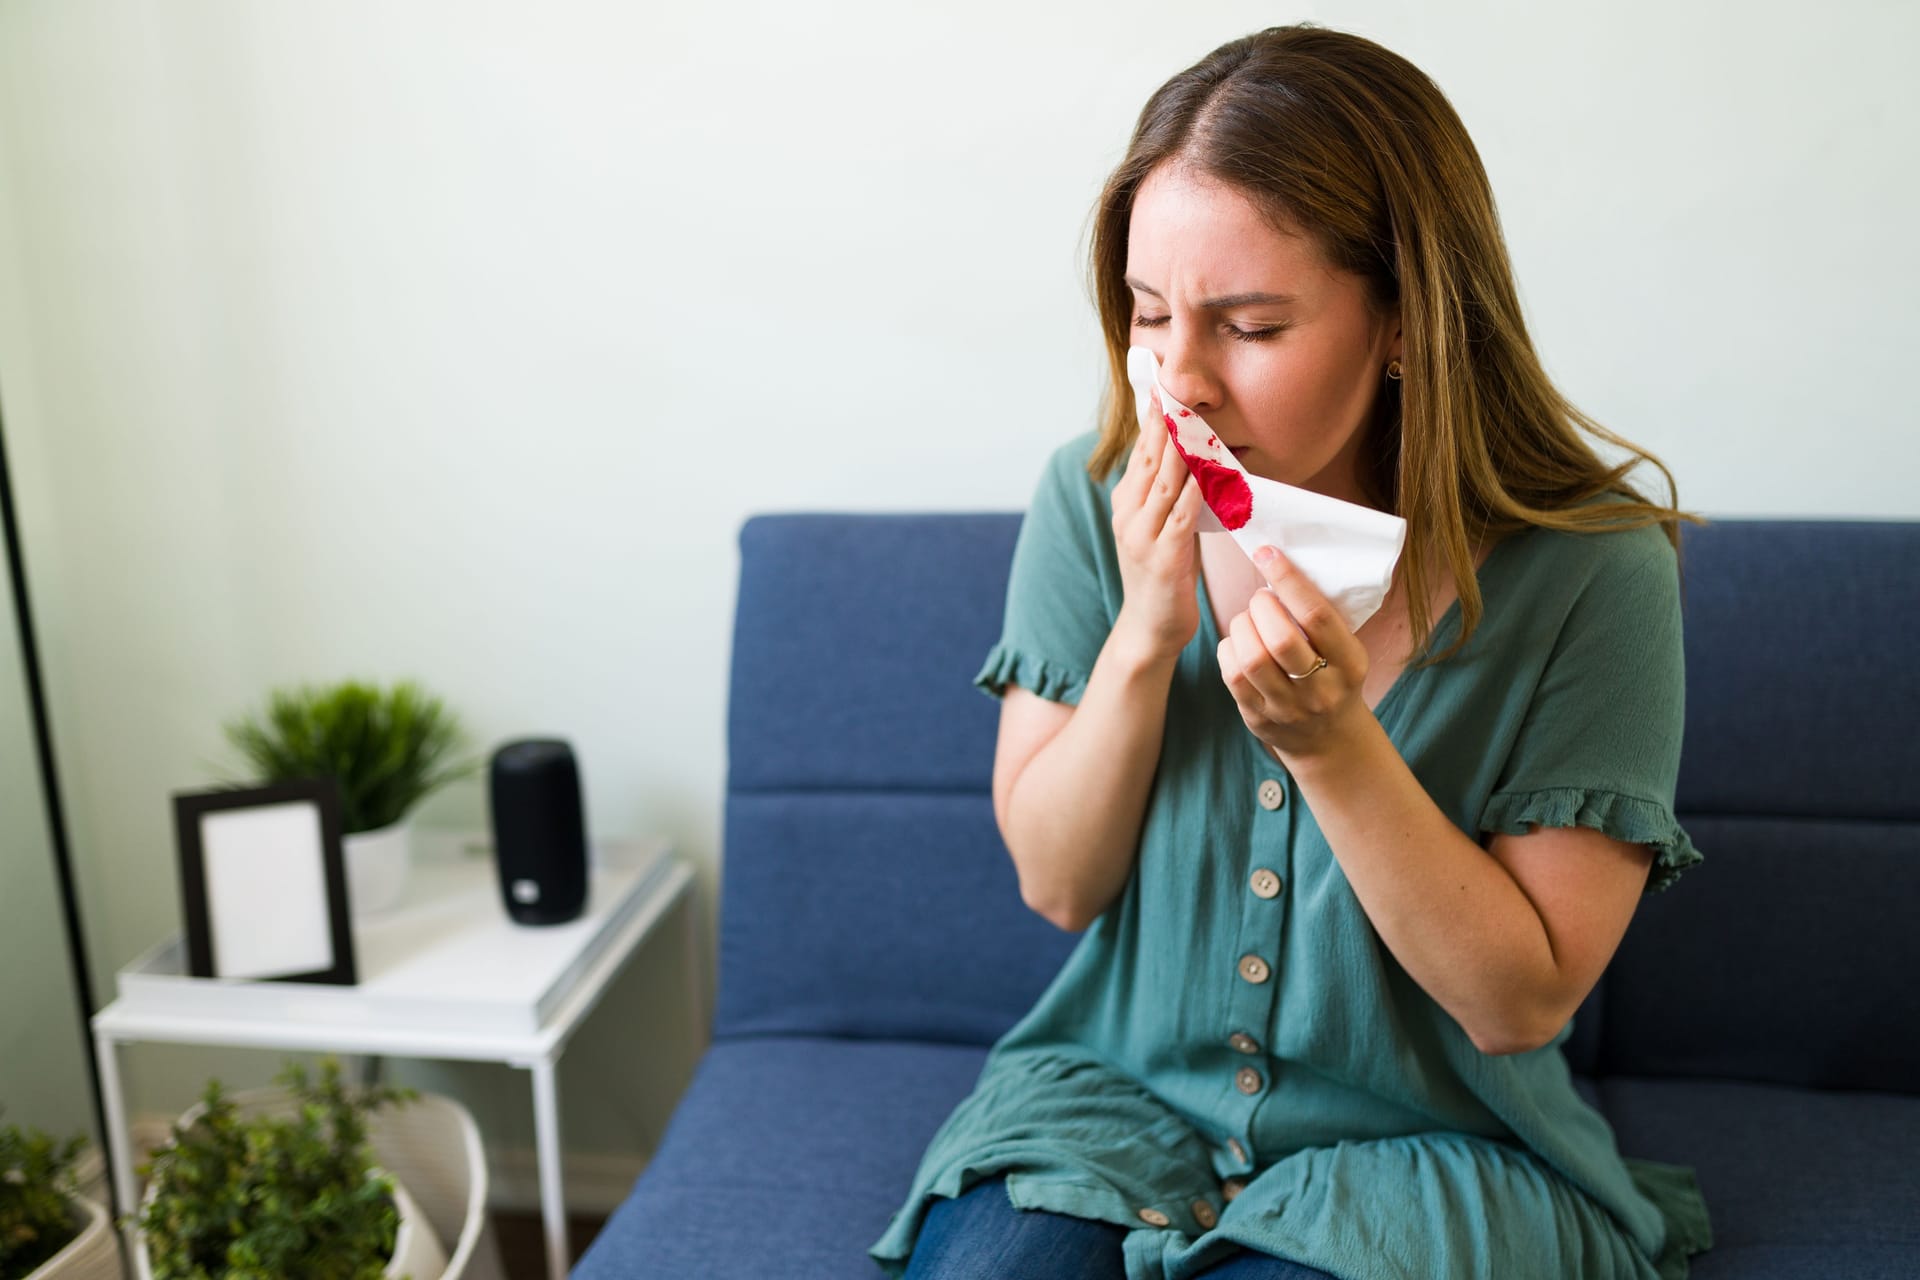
x=1062 y=916
x=1501 y=1048
x=1506 y=1041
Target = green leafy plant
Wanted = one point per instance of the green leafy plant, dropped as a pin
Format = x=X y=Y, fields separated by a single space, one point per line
x=261 y=1198
x=388 y=750
x=36 y=1178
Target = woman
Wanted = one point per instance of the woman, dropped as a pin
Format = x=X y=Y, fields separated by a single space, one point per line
x=1340 y=905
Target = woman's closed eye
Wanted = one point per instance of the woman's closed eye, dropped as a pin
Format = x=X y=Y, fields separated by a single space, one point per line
x=1234 y=331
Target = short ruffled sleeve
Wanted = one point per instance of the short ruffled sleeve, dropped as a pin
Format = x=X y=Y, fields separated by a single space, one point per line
x=1061 y=594
x=1599 y=745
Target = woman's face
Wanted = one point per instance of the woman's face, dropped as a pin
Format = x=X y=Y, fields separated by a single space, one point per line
x=1254 y=333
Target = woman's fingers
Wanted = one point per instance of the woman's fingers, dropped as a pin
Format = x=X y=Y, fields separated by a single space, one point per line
x=1165 y=491
x=1141 y=464
x=1157 y=490
x=1185 y=516
x=1292 y=596
x=1276 y=629
x=1123 y=500
x=1274 y=646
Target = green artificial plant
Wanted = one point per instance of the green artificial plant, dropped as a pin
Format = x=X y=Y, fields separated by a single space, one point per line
x=388 y=750
x=36 y=1179
x=263 y=1198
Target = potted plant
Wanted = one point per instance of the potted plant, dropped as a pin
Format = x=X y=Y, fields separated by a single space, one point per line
x=387 y=750
x=48 y=1230
x=281 y=1190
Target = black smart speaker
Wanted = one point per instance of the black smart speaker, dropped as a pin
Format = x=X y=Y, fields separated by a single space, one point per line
x=539 y=831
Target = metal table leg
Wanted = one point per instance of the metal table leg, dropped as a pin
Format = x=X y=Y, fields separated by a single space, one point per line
x=546 y=1129
x=696 y=968
x=113 y=1100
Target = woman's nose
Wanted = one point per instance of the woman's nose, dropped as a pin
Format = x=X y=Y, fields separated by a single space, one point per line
x=1187 y=377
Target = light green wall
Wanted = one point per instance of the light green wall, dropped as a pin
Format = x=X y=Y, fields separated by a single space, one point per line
x=43 y=1082
x=166 y=506
x=42 y=1069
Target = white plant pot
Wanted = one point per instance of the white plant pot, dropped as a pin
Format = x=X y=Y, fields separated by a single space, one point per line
x=417 y=1251
x=94 y=1254
x=378 y=863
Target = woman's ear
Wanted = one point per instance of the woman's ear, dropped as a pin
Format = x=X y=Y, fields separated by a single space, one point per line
x=1388 y=323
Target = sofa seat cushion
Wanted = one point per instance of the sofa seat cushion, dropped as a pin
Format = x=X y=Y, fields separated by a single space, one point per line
x=786 y=1157
x=1784 y=1169
x=1840 y=1259
x=788 y=1154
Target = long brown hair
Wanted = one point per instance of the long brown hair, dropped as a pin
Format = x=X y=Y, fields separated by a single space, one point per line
x=1335 y=137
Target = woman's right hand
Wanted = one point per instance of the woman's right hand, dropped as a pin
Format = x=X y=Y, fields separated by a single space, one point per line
x=1156 y=512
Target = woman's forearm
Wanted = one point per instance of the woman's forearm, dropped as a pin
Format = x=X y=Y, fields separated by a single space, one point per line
x=1448 y=911
x=1074 y=813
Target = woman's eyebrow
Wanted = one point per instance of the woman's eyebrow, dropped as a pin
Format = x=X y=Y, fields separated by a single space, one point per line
x=1218 y=304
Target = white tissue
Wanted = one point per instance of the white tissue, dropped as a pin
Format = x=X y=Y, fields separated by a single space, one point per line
x=1346 y=550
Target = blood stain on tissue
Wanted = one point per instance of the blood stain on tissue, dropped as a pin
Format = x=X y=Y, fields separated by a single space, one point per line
x=1224 y=489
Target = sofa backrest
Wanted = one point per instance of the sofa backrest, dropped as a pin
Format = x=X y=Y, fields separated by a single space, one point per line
x=1792 y=954
x=865 y=890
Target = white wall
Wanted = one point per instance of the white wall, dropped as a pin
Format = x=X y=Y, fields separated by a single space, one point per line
x=364 y=338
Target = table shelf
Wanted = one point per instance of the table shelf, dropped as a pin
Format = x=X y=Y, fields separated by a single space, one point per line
x=447 y=959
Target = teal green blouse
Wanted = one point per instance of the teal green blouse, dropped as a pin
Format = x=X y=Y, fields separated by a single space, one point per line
x=1318 y=1104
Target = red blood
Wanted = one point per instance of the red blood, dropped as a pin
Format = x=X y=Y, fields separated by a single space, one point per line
x=1224 y=489
x=1186 y=413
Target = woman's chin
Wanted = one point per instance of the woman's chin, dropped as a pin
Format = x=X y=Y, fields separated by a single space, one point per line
x=1259 y=464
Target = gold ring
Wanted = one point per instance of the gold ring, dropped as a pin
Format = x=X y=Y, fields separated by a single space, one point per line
x=1309 y=671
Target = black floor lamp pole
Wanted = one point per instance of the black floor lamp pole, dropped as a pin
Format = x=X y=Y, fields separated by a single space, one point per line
x=50 y=790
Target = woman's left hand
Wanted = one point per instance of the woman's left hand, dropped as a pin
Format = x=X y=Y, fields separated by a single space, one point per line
x=1297 y=718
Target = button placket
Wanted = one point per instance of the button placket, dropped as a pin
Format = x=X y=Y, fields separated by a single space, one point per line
x=1252 y=1002
x=1251 y=1005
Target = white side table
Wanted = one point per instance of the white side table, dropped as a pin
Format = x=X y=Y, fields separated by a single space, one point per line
x=446 y=974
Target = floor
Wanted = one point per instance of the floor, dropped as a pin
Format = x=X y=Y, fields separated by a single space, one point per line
x=523 y=1245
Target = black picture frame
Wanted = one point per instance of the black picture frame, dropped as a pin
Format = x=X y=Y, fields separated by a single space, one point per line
x=303 y=839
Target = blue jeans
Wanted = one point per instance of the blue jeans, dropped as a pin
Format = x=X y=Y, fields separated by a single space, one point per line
x=979 y=1235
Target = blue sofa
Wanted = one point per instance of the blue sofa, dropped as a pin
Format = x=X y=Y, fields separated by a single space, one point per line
x=1761 y=1021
